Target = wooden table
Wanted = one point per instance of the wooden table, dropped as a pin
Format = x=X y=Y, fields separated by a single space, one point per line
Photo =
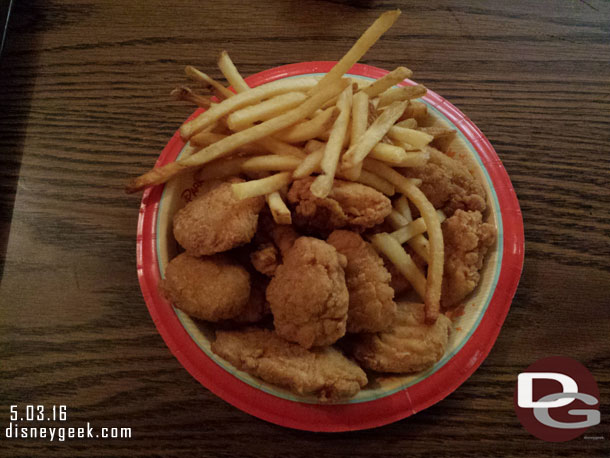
x=85 y=106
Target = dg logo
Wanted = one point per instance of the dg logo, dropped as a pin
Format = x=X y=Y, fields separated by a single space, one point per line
x=557 y=399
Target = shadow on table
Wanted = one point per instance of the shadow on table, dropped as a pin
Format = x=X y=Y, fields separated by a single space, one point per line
x=18 y=65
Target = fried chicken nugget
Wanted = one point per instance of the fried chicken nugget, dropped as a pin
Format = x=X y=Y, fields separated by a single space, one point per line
x=408 y=346
x=349 y=204
x=324 y=372
x=467 y=240
x=448 y=184
x=371 y=304
x=216 y=221
x=308 y=294
x=211 y=288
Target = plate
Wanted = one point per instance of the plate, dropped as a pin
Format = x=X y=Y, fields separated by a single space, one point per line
x=387 y=399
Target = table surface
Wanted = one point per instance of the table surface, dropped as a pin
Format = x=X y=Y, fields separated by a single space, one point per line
x=84 y=94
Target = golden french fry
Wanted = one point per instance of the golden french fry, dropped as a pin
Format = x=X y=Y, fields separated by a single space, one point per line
x=203 y=139
x=396 y=219
x=415 y=138
x=410 y=123
x=220 y=168
x=307 y=130
x=414 y=159
x=421 y=246
x=442 y=137
x=279 y=210
x=241 y=119
x=386 y=82
x=360 y=113
x=435 y=234
x=391 y=249
x=196 y=75
x=254 y=95
x=230 y=73
x=231 y=143
x=388 y=153
x=375 y=182
x=313 y=145
x=372 y=136
x=405 y=233
x=396 y=94
x=261 y=186
x=323 y=183
x=186 y=94
x=270 y=163
x=418 y=111
x=362 y=45
x=310 y=164
x=275 y=146
x=402 y=205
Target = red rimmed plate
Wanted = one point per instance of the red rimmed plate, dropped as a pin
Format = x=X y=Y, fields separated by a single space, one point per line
x=392 y=399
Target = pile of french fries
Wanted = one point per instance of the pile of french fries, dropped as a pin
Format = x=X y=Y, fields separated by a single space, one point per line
x=330 y=127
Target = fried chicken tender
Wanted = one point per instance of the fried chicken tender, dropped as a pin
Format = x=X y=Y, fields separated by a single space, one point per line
x=216 y=221
x=265 y=259
x=211 y=288
x=308 y=294
x=323 y=372
x=267 y=256
x=352 y=205
x=448 y=184
x=371 y=304
x=409 y=345
x=467 y=240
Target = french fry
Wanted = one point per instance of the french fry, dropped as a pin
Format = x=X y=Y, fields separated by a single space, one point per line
x=404 y=233
x=442 y=137
x=435 y=235
x=396 y=219
x=275 y=146
x=186 y=94
x=189 y=149
x=375 y=182
x=196 y=75
x=421 y=246
x=391 y=249
x=414 y=159
x=410 y=123
x=243 y=118
x=262 y=186
x=362 y=45
x=221 y=168
x=388 y=153
x=230 y=73
x=323 y=183
x=402 y=205
x=313 y=145
x=307 y=130
x=415 y=138
x=203 y=139
x=418 y=111
x=396 y=94
x=360 y=113
x=386 y=82
x=254 y=95
x=279 y=210
x=372 y=136
x=310 y=164
x=270 y=163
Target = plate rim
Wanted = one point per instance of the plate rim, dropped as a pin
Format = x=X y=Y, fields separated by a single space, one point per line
x=339 y=417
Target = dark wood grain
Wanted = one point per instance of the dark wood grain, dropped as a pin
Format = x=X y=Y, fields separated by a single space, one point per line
x=84 y=96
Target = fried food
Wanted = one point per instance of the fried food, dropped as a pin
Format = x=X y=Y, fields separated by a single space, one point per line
x=308 y=294
x=211 y=288
x=323 y=372
x=265 y=259
x=398 y=281
x=467 y=240
x=349 y=204
x=409 y=345
x=257 y=307
x=216 y=221
x=371 y=304
x=448 y=184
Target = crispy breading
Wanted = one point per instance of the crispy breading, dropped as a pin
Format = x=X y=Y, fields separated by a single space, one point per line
x=448 y=184
x=265 y=259
x=323 y=372
x=351 y=205
x=409 y=345
x=216 y=221
x=212 y=288
x=398 y=281
x=467 y=240
x=371 y=304
x=257 y=307
x=308 y=294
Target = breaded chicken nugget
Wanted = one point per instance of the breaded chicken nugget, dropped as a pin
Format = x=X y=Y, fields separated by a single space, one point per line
x=257 y=307
x=308 y=295
x=448 y=184
x=408 y=346
x=324 y=372
x=352 y=205
x=212 y=288
x=216 y=221
x=467 y=240
x=265 y=259
x=371 y=304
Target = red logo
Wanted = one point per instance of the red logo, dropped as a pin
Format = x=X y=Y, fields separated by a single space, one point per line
x=557 y=399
